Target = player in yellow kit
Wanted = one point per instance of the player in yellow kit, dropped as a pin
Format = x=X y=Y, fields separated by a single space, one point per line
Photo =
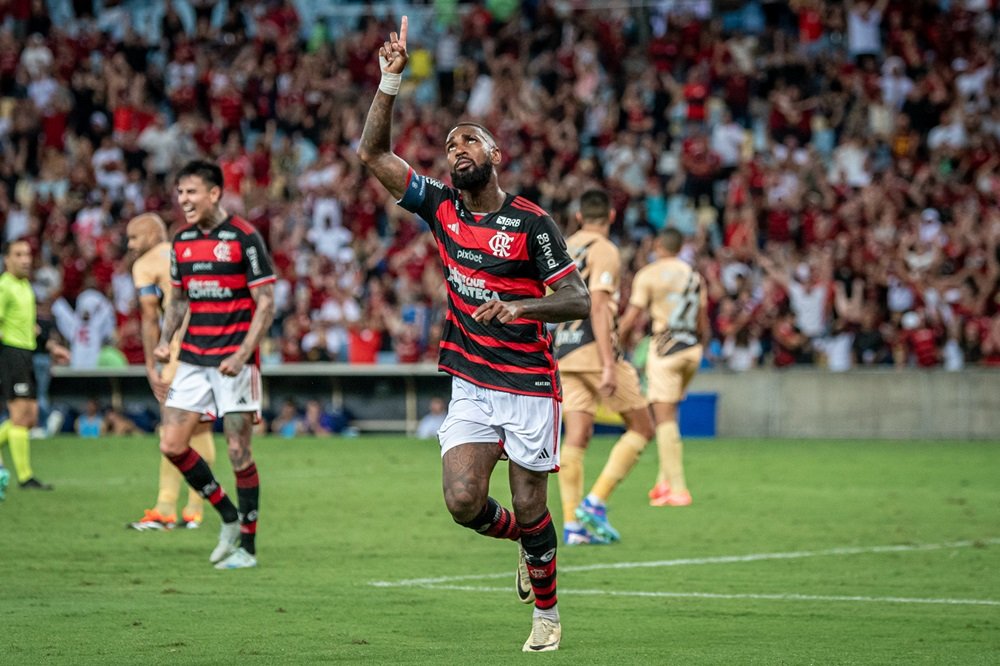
x=674 y=295
x=147 y=238
x=593 y=371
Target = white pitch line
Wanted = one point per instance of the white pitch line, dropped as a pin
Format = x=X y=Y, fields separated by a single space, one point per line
x=712 y=595
x=725 y=559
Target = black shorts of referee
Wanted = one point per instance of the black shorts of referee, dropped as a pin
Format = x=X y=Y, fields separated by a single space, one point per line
x=17 y=373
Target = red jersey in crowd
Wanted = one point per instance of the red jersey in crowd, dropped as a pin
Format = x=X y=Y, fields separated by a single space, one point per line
x=923 y=342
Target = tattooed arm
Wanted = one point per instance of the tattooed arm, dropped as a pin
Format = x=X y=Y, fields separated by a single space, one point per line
x=263 y=315
x=375 y=149
x=569 y=300
x=172 y=320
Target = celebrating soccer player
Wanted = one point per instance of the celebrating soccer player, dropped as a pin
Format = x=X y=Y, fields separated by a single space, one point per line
x=500 y=252
x=220 y=270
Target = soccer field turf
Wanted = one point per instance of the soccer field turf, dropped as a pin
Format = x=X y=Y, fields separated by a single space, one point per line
x=794 y=552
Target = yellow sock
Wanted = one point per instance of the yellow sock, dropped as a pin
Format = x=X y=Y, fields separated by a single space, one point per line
x=571 y=480
x=624 y=455
x=4 y=430
x=20 y=451
x=204 y=444
x=170 y=488
x=671 y=450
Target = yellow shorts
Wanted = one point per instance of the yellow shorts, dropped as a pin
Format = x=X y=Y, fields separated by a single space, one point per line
x=580 y=391
x=667 y=377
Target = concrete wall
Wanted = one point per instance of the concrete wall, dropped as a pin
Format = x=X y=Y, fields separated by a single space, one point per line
x=882 y=404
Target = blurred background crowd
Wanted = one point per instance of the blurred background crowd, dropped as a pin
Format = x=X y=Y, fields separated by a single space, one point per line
x=833 y=165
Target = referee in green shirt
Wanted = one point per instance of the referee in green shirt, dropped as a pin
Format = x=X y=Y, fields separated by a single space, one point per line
x=17 y=373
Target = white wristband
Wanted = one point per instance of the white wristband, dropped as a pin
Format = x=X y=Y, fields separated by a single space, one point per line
x=390 y=82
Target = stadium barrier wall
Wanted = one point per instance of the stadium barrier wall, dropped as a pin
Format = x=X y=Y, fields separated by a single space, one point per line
x=803 y=403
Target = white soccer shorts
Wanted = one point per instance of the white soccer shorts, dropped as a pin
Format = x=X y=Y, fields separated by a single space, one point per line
x=527 y=427
x=205 y=390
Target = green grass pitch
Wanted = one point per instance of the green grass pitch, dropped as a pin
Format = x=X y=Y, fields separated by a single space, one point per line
x=794 y=552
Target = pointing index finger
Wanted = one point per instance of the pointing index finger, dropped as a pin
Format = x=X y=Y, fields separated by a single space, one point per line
x=403 y=25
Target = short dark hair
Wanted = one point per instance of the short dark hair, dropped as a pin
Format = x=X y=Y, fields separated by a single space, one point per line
x=489 y=134
x=10 y=244
x=672 y=240
x=207 y=171
x=595 y=204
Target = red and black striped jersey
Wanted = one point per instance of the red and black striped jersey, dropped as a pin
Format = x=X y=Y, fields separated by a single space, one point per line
x=217 y=269
x=511 y=254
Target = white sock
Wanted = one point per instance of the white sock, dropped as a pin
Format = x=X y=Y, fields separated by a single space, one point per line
x=548 y=613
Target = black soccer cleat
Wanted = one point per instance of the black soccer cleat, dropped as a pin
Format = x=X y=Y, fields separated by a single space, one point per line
x=35 y=484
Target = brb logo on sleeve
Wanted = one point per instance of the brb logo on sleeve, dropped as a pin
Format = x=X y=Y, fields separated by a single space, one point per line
x=500 y=244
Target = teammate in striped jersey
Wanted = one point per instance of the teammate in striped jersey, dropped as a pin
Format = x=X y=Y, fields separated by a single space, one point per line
x=221 y=272
x=500 y=253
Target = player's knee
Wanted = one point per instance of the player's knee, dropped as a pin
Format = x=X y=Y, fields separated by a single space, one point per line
x=644 y=428
x=172 y=443
x=463 y=504
x=528 y=507
x=665 y=412
x=23 y=413
x=23 y=420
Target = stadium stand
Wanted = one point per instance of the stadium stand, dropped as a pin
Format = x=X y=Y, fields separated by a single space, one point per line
x=833 y=165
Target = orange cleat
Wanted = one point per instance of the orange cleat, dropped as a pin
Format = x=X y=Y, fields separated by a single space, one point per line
x=153 y=520
x=659 y=489
x=671 y=498
x=190 y=520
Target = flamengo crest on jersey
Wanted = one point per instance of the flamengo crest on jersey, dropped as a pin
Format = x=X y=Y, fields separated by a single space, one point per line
x=217 y=270
x=508 y=255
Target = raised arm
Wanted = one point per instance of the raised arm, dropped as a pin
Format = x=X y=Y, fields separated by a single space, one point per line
x=67 y=323
x=777 y=272
x=375 y=149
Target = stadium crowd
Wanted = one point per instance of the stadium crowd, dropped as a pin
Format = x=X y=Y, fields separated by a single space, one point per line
x=835 y=166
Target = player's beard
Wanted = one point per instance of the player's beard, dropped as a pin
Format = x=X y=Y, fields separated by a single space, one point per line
x=472 y=179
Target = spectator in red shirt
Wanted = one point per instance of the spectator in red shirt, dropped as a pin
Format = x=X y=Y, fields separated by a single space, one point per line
x=364 y=340
x=701 y=167
x=919 y=342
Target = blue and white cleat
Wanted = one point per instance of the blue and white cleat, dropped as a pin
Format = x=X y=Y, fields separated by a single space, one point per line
x=594 y=516
x=581 y=537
